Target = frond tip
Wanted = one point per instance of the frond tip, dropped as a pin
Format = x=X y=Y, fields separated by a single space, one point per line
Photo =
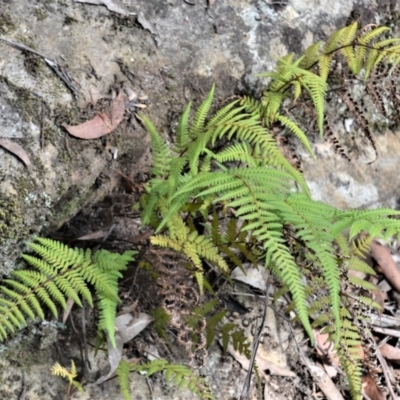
x=58 y=370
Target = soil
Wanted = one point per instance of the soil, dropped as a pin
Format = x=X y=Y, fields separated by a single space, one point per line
x=163 y=54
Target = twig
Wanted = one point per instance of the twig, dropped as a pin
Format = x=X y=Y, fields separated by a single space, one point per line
x=256 y=341
x=23 y=391
x=86 y=361
x=42 y=124
x=57 y=69
x=324 y=382
x=386 y=331
x=385 y=370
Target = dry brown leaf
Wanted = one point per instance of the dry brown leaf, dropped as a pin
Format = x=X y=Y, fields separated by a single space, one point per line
x=371 y=389
x=386 y=264
x=101 y=124
x=390 y=352
x=18 y=151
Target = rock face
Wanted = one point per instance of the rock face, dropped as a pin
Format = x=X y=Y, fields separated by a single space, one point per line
x=170 y=52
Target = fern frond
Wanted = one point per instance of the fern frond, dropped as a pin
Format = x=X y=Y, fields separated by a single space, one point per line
x=201 y=115
x=347 y=48
x=341 y=37
x=355 y=264
x=179 y=374
x=310 y=56
x=123 y=372
x=61 y=273
x=182 y=132
x=324 y=66
x=58 y=370
x=272 y=101
x=225 y=114
x=294 y=128
x=367 y=37
x=161 y=153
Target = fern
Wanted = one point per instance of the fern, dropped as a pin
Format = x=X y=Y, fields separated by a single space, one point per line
x=228 y=193
x=58 y=370
x=123 y=371
x=61 y=272
x=180 y=375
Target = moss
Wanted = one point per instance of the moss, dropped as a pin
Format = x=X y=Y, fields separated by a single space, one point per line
x=15 y=208
x=28 y=105
x=50 y=135
x=6 y=24
x=41 y=14
x=24 y=351
x=70 y=203
x=69 y=20
x=11 y=218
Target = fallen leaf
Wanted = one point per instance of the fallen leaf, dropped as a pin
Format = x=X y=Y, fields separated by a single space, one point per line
x=255 y=277
x=108 y=3
x=126 y=328
x=390 y=352
x=370 y=389
x=386 y=264
x=261 y=361
x=18 y=151
x=93 y=235
x=101 y=124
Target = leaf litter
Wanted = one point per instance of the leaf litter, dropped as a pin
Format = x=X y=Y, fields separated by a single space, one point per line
x=102 y=124
x=18 y=151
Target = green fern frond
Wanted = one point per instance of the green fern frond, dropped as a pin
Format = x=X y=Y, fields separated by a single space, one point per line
x=123 y=372
x=361 y=283
x=272 y=101
x=367 y=37
x=61 y=273
x=180 y=375
x=161 y=152
x=355 y=264
x=295 y=129
x=211 y=326
x=347 y=48
x=363 y=48
x=341 y=37
x=240 y=342
x=201 y=115
x=196 y=247
x=353 y=370
x=226 y=114
x=314 y=84
x=310 y=56
x=182 y=132
x=324 y=66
